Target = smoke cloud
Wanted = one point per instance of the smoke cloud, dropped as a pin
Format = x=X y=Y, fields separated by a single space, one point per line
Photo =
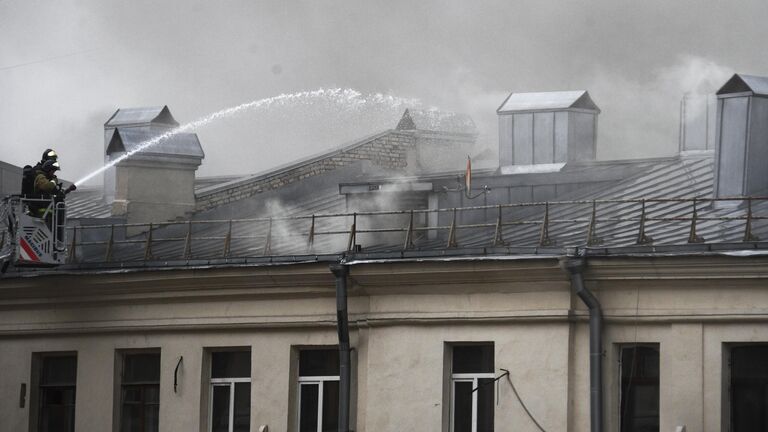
x=72 y=63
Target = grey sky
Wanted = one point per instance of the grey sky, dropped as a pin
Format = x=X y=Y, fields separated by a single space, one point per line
x=65 y=66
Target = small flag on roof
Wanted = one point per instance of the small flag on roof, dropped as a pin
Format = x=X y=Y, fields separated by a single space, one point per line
x=468 y=177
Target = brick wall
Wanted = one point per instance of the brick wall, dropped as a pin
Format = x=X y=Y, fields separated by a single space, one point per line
x=387 y=150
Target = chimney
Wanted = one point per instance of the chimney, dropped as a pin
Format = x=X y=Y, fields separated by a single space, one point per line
x=156 y=184
x=698 y=116
x=540 y=132
x=741 y=151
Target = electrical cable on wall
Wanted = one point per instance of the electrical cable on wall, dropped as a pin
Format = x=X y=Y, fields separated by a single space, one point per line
x=522 y=404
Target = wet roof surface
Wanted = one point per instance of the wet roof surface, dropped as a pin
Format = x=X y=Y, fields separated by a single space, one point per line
x=667 y=224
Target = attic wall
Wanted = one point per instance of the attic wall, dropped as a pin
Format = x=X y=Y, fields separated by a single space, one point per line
x=506 y=155
x=757 y=153
x=390 y=151
x=732 y=147
x=581 y=143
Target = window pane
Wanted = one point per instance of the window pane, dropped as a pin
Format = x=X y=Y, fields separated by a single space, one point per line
x=220 y=409
x=57 y=419
x=57 y=409
x=59 y=370
x=473 y=358
x=323 y=362
x=330 y=406
x=143 y=367
x=152 y=394
x=485 y=404
x=130 y=420
x=151 y=418
x=132 y=394
x=308 y=405
x=462 y=406
x=233 y=364
x=749 y=388
x=639 y=389
x=242 y=420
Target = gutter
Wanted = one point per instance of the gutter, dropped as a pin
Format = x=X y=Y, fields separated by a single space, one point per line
x=341 y=272
x=575 y=268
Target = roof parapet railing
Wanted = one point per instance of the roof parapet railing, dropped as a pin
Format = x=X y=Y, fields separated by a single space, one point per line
x=148 y=246
x=268 y=242
x=227 y=242
x=352 y=233
x=498 y=235
x=188 y=242
x=408 y=244
x=592 y=238
x=110 y=244
x=748 y=236
x=642 y=237
x=311 y=236
x=666 y=211
x=693 y=237
x=72 y=256
x=544 y=239
x=452 y=232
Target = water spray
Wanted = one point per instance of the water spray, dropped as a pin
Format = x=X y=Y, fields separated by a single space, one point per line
x=348 y=97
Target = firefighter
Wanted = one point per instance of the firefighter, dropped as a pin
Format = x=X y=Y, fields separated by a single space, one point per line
x=47 y=186
x=30 y=173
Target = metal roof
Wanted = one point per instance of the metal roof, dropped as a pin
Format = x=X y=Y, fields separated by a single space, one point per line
x=436 y=121
x=159 y=115
x=667 y=187
x=87 y=203
x=181 y=144
x=517 y=102
x=740 y=83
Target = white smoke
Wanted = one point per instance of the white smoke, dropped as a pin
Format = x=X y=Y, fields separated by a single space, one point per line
x=642 y=118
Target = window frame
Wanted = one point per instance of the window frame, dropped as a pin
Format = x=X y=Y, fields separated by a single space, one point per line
x=227 y=382
x=37 y=398
x=472 y=377
x=318 y=381
x=120 y=383
x=727 y=381
x=308 y=380
x=620 y=379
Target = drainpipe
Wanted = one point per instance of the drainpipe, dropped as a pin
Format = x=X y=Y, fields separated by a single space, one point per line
x=342 y=321
x=575 y=267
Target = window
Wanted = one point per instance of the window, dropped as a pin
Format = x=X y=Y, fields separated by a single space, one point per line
x=140 y=392
x=318 y=390
x=472 y=375
x=56 y=393
x=230 y=396
x=639 y=392
x=749 y=388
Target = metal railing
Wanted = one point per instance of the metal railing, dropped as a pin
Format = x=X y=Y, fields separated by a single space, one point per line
x=434 y=228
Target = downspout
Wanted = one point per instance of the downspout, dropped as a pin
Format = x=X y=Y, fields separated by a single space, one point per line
x=342 y=322
x=575 y=267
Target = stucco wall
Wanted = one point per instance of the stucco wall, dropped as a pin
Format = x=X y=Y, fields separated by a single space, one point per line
x=403 y=315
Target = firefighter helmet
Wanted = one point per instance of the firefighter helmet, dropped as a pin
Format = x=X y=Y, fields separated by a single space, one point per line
x=50 y=166
x=49 y=154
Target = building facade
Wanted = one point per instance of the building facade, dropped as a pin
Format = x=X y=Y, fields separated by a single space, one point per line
x=353 y=291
